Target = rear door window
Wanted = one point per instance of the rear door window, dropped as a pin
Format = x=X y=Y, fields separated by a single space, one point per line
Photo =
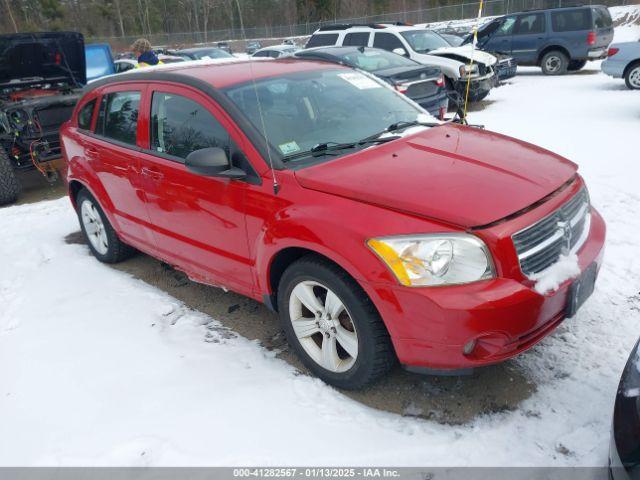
x=180 y=126
x=118 y=117
x=356 y=39
x=322 y=40
x=571 y=20
x=387 y=41
x=529 y=24
x=85 y=115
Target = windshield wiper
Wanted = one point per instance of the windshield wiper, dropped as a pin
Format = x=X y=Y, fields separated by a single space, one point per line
x=328 y=148
x=399 y=126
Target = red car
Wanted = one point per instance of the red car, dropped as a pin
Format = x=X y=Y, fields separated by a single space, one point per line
x=377 y=235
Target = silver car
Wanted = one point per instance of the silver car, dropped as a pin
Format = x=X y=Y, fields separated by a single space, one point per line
x=623 y=61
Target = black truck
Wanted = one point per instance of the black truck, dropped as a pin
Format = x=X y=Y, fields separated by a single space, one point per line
x=41 y=79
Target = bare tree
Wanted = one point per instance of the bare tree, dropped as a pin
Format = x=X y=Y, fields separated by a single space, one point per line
x=13 y=20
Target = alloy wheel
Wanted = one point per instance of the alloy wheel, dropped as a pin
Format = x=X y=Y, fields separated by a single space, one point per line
x=634 y=77
x=323 y=326
x=553 y=64
x=94 y=227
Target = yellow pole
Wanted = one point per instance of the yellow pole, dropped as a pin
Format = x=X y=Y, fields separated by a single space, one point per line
x=473 y=49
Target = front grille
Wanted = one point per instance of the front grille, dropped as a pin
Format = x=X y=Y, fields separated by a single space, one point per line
x=422 y=89
x=541 y=245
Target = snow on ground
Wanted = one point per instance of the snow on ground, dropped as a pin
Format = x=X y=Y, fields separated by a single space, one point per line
x=97 y=368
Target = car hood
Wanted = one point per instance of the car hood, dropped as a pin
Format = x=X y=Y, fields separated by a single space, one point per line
x=459 y=175
x=466 y=51
x=47 y=55
x=405 y=73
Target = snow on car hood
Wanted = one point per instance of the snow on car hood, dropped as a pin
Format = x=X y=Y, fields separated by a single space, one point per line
x=460 y=175
x=466 y=51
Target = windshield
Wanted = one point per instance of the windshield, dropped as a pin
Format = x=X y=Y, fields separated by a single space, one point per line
x=210 y=53
x=423 y=41
x=306 y=109
x=374 y=60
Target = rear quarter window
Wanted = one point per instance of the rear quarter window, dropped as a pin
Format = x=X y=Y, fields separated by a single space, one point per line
x=571 y=20
x=602 y=17
x=322 y=40
x=85 y=115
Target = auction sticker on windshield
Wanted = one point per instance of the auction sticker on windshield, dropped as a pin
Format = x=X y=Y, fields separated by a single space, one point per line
x=360 y=81
x=289 y=148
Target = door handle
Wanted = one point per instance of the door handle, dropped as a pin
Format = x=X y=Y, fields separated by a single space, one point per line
x=91 y=152
x=152 y=173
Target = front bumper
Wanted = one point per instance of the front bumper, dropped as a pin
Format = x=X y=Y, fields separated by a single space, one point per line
x=479 y=87
x=430 y=327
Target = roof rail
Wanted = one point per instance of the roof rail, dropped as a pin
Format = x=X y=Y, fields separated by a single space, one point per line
x=345 y=26
x=577 y=5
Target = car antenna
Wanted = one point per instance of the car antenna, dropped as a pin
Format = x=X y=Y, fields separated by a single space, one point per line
x=276 y=185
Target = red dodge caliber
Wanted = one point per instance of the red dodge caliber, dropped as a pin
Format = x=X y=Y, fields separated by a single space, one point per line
x=376 y=232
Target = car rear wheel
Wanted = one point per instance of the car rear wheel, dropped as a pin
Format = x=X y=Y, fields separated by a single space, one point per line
x=632 y=76
x=332 y=325
x=9 y=184
x=554 y=63
x=98 y=232
x=575 y=65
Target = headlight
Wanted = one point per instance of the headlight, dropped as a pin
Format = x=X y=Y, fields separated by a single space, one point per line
x=438 y=259
x=466 y=70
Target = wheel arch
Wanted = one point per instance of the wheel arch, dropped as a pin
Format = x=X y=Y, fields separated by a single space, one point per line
x=286 y=256
x=630 y=65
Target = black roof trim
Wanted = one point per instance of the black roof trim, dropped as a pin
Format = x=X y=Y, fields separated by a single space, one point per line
x=253 y=134
x=346 y=26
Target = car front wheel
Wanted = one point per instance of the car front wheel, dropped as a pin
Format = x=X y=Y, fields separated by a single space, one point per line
x=554 y=63
x=9 y=184
x=632 y=77
x=332 y=325
x=102 y=239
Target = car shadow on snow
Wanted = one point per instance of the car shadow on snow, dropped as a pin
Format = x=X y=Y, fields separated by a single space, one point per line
x=450 y=400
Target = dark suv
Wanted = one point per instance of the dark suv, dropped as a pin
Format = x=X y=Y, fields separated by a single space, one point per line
x=557 y=40
x=41 y=76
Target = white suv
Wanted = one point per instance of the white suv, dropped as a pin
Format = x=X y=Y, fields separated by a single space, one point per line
x=421 y=45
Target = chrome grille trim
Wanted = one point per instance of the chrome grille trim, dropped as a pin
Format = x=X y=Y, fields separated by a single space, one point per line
x=565 y=230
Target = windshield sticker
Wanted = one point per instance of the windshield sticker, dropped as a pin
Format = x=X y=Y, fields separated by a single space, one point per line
x=359 y=81
x=289 y=148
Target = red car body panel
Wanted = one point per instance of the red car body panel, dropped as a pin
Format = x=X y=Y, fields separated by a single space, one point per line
x=447 y=172
x=447 y=179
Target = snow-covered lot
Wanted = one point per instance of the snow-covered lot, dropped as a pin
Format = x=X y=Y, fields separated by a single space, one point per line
x=98 y=368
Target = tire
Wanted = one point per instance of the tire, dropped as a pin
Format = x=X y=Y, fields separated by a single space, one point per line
x=98 y=232
x=632 y=76
x=479 y=97
x=358 y=327
x=554 y=63
x=9 y=184
x=575 y=65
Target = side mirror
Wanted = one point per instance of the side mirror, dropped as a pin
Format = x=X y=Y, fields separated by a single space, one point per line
x=400 y=51
x=212 y=162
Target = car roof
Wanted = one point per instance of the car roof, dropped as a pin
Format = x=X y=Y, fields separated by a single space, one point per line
x=196 y=49
x=378 y=27
x=221 y=73
x=279 y=48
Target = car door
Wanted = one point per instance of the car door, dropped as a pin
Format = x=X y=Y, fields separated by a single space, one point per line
x=113 y=155
x=528 y=34
x=501 y=39
x=198 y=221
